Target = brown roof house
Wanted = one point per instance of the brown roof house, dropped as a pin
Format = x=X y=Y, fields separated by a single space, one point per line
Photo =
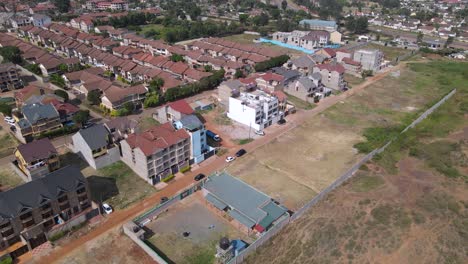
x=173 y=111
x=115 y=97
x=36 y=159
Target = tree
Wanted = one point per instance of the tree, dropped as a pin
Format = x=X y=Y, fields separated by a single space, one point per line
x=448 y=42
x=81 y=117
x=57 y=80
x=94 y=97
x=11 y=54
x=63 y=6
x=34 y=68
x=5 y=109
x=419 y=39
x=62 y=94
x=176 y=57
x=271 y=63
x=243 y=18
x=155 y=85
x=239 y=74
x=151 y=101
x=330 y=8
x=356 y=25
x=377 y=37
x=284 y=4
x=129 y=106
x=260 y=20
x=366 y=73
x=63 y=68
x=208 y=68
x=275 y=13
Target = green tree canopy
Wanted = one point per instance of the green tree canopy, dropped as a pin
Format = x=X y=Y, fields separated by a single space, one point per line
x=63 y=6
x=94 y=97
x=62 y=94
x=357 y=25
x=81 y=117
x=11 y=54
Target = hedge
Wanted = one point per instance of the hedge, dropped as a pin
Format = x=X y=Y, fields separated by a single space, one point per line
x=168 y=178
x=185 y=169
x=58 y=132
x=271 y=63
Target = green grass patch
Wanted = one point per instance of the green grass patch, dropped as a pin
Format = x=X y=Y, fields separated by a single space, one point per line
x=118 y=185
x=9 y=178
x=221 y=152
x=244 y=141
x=365 y=183
x=301 y=104
x=438 y=204
x=376 y=137
x=185 y=169
x=168 y=178
x=147 y=123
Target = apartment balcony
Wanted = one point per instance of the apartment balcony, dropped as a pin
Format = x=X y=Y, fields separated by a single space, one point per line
x=28 y=224
x=7 y=234
x=5 y=228
x=26 y=219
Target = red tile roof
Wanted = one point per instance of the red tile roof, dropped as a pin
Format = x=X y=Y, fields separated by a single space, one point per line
x=331 y=67
x=157 y=138
x=351 y=62
x=181 y=106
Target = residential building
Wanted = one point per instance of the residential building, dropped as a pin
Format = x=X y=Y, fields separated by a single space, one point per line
x=121 y=127
x=270 y=82
x=173 y=111
x=36 y=119
x=248 y=209
x=37 y=158
x=335 y=37
x=306 y=87
x=306 y=39
x=256 y=109
x=303 y=64
x=116 y=97
x=351 y=66
x=95 y=146
x=18 y=21
x=317 y=24
x=32 y=212
x=332 y=75
x=369 y=59
x=9 y=77
x=197 y=132
x=157 y=153
x=230 y=88
x=40 y=20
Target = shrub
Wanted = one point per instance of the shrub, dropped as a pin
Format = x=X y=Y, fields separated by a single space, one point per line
x=5 y=109
x=58 y=132
x=34 y=68
x=58 y=235
x=185 y=169
x=62 y=94
x=271 y=63
x=6 y=260
x=168 y=178
x=94 y=97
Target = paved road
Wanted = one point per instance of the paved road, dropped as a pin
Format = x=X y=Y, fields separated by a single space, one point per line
x=121 y=216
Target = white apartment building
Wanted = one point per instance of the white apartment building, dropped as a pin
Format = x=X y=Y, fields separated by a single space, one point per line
x=369 y=59
x=255 y=109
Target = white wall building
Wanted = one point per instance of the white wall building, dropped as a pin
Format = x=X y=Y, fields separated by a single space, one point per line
x=255 y=109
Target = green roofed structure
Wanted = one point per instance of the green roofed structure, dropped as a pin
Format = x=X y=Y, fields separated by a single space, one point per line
x=250 y=208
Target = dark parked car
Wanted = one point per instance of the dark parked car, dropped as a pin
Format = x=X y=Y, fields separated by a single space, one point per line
x=199 y=176
x=240 y=152
x=164 y=199
x=282 y=121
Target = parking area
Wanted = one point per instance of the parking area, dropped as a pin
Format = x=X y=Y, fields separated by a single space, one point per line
x=204 y=229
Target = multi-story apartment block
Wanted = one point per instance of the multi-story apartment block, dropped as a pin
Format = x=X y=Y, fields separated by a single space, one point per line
x=37 y=158
x=116 y=5
x=31 y=212
x=332 y=75
x=369 y=59
x=305 y=39
x=9 y=77
x=256 y=109
x=157 y=153
x=197 y=132
x=317 y=24
x=37 y=118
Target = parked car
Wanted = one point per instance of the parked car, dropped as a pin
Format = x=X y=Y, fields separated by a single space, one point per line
x=9 y=119
x=199 y=177
x=213 y=135
x=240 y=152
x=282 y=121
x=107 y=208
x=12 y=128
x=164 y=199
x=259 y=132
x=230 y=158
x=88 y=124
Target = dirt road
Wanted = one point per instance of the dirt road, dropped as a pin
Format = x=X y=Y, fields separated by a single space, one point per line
x=120 y=217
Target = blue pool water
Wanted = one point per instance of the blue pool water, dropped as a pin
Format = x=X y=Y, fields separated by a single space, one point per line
x=285 y=45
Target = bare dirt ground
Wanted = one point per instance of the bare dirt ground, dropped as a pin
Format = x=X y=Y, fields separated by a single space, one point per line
x=113 y=247
x=205 y=227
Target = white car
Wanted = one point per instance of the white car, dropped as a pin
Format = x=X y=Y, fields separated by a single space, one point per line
x=259 y=132
x=230 y=158
x=107 y=208
x=9 y=119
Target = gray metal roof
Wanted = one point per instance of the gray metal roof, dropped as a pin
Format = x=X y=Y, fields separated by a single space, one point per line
x=191 y=122
x=233 y=84
x=238 y=195
x=36 y=112
x=286 y=73
x=32 y=194
x=303 y=62
x=96 y=136
x=306 y=82
x=316 y=76
x=214 y=201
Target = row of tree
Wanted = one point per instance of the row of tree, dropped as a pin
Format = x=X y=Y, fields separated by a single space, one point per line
x=271 y=63
x=207 y=83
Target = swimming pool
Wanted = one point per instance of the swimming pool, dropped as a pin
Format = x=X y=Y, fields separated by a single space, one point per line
x=289 y=46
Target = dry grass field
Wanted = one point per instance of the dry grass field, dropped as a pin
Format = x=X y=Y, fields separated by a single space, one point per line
x=408 y=205
x=304 y=161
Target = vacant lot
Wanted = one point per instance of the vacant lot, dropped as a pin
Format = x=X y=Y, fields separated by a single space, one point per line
x=307 y=159
x=7 y=143
x=206 y=228
x=147 y=122
x=416 y=213
x=390 y=52
x=8 y=178
x=115 y=184
x=113 y=247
